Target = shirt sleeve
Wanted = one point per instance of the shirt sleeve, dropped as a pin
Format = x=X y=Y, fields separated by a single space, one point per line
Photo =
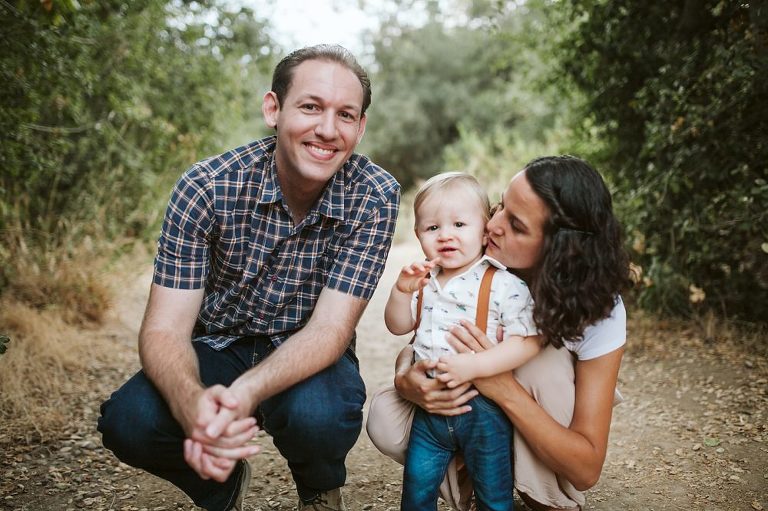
x=360 y=262
x=604 y=336
x=516 y=305
x=182 y=260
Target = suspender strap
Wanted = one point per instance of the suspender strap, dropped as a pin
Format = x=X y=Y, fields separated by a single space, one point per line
x=418 y=309
x=483 y=298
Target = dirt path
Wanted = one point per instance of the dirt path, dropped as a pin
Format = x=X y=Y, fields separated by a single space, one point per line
x=692 y=434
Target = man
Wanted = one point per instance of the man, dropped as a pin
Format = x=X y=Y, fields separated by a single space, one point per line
x=267 y=258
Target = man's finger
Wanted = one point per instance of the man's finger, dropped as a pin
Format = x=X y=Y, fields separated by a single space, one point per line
x=212 y=470
x=240 y=426
x=223 y=396
x=193 y=452
x=233 y=453
x=220 y=423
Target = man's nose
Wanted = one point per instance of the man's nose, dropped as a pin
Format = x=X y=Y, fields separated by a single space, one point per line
x=326 y=126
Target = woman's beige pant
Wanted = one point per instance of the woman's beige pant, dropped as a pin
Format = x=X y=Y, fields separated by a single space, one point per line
x=549 y=378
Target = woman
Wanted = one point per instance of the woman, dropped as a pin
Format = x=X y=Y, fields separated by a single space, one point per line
x=556 y=229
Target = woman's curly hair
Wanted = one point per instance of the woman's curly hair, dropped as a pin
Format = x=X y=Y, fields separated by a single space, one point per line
x=584 y=265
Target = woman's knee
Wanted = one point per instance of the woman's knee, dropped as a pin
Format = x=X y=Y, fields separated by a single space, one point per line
x=550 y=378
x=389 y=423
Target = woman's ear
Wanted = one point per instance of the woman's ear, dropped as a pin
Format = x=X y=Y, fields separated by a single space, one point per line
x=270 y=109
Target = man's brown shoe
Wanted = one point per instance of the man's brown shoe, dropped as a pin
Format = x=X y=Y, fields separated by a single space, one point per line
x=330 y=500
x=245 y=482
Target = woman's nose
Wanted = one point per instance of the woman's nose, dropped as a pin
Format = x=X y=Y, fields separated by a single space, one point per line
x=493 y=225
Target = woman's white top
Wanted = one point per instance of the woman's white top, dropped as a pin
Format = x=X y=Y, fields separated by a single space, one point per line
x=603 y=337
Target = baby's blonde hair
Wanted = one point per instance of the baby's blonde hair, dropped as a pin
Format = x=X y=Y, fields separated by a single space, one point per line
x=449 y=181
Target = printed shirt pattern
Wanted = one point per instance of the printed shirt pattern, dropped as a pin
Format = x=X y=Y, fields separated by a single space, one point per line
x=510 y=306
x=228 y=230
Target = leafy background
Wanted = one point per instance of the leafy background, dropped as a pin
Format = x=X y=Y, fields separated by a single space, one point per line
x=105 y=103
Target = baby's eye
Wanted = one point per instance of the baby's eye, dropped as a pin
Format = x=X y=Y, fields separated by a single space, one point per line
x=432 y=228
x=459 y=224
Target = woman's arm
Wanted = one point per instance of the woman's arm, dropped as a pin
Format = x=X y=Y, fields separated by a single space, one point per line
x=577 y=452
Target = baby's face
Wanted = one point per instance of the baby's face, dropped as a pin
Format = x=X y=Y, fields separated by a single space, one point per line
x=452 y=227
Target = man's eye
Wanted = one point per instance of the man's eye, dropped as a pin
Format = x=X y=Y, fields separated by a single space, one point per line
x=309 y=107
x=347 y=116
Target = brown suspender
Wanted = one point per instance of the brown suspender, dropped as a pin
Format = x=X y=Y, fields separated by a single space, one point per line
x=483 y=299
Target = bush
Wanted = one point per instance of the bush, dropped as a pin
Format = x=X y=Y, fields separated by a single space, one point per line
x=104 y=104
x=677 y=101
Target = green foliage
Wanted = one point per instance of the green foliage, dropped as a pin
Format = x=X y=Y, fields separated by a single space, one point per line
x=435 y=81
x=676 y=96
x=104 y=104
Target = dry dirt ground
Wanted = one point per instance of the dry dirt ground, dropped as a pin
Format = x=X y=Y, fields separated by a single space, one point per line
x=692 y=433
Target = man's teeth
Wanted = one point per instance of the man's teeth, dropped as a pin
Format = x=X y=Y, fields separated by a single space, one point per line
x=321 y=150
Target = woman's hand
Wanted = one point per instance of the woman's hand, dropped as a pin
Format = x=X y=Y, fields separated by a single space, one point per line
x=413 y=384
x=467 y=338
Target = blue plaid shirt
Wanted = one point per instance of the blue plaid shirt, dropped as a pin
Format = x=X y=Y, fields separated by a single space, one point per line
x=227 y=229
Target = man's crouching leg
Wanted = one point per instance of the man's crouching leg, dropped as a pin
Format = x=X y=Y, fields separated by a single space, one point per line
x=314 y=425
x=138 y=427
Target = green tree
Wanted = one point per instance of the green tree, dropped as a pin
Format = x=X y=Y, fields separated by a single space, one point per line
x=473 y=70
x=677 y=107
x=103 y=105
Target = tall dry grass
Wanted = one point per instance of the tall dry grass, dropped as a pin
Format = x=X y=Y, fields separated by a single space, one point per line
x=51 y=301
x=43 y=365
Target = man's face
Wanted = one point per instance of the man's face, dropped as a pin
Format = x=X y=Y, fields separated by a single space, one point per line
x=318 y=125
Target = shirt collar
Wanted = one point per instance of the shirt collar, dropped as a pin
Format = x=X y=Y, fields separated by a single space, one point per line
x=331 y=203
x=485 y=260
x=270 y=188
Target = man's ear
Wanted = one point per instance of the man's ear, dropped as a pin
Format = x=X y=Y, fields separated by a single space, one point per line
x=361 y=130
x=270 y=109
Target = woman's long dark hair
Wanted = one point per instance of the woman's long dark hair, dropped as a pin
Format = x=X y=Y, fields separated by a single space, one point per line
x=584 y=265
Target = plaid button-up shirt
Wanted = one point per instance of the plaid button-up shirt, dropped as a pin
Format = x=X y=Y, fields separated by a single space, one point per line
x=227 y=229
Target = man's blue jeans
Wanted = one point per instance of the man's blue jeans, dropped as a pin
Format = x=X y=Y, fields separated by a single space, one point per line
x=314 y=424
x=483 y=436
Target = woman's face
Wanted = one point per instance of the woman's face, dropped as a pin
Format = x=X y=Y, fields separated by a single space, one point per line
x=516 y=231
